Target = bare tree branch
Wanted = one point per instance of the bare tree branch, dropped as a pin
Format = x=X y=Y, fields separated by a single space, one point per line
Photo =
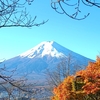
x=13 y=14
x=69 y=5
x=12 y=85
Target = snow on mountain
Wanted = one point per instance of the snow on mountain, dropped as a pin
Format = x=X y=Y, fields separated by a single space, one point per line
x=44 y=48
x=44 y=56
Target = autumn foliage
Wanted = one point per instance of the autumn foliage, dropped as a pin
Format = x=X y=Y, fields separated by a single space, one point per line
x=84 y=85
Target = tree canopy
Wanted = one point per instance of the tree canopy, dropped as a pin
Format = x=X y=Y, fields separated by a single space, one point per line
x=84 y=85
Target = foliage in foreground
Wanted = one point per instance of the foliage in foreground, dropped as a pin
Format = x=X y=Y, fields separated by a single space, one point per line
x=85 y=85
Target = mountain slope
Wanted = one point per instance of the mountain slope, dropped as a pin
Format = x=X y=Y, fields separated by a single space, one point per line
x=45 y=55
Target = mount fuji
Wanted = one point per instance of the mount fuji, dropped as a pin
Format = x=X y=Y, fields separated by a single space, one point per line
x=46 y=55
x=37 y=61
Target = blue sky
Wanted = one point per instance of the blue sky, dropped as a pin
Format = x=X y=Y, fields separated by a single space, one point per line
x=82 y=37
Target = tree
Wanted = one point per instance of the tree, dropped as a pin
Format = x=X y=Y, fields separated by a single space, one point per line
x=84 y=85
x=66 y=67
x=13 y=14
x=13 y=87
x=75 y=5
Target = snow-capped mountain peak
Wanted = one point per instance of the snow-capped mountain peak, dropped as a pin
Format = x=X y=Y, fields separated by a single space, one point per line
x=42 y=49
x=46 y=55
